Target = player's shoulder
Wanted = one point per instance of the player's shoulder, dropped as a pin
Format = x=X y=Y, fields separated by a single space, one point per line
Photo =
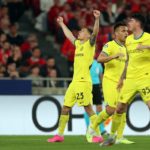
x=129 y=39
x=76 y=41
x=107 y=48
x=146 y=34
x=131 y=36
x=108 y=44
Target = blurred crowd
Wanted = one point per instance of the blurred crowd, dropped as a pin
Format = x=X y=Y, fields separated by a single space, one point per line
x=21 y=56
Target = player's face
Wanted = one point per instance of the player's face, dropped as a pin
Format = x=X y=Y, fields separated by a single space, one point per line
x=132 y=23
x=122 y=33
x=83 y=34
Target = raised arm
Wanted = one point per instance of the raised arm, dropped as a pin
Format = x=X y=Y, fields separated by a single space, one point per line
x=65 y=29
x=96 y=14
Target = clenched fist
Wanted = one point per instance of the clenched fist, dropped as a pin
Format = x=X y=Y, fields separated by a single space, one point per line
x=60 y=20
x=96 y=13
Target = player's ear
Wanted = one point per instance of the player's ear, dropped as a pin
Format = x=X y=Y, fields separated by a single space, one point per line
x=116 y=33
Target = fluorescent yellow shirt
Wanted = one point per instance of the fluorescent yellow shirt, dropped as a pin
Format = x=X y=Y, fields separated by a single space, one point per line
x=115 y=67
x=139 y=60
x=84 y=55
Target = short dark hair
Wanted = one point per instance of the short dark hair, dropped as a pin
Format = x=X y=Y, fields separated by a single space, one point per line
x=140 y=18
x=119 y=24
x=35 y=48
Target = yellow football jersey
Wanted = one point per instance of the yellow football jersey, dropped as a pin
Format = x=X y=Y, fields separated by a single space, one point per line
x=139 y=60
x=84 y=55
x=115 y=67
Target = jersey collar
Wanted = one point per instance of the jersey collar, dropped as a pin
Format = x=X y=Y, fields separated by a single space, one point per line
x=136 y=38
x=119 y=43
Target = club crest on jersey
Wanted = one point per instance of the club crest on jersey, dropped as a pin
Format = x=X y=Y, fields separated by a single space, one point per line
x=106 y=45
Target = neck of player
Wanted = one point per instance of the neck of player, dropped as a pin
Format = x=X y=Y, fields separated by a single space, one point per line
x=138 y=33
x=119 y=41
x=82 y=41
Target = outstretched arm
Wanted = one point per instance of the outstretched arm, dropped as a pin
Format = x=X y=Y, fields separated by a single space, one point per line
x=96 y=14
x=141 y=47
x=103 y=58
x=65 y=29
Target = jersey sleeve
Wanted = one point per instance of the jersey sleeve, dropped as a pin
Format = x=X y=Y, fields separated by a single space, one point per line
x=106 y=49
x=76 y=42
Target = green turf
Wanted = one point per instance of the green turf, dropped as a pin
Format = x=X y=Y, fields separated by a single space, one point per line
x=70 y=143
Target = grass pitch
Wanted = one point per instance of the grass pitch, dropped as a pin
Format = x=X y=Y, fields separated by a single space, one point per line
x=70 y=143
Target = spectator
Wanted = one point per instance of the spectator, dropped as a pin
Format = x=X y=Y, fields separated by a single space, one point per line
x=88 y=13
x=35 y=76
x=53 y=74
x=68 y=50
x=30 y=43
x=66 y=13
x=13 y=36
x=53 y=14
x=3 y=11
x=16 y=57
x=26 y=49
x=4 y=24
x=124 y=13
x=3 y=38
x=12 y=71
x=2 y=70
x=73 y=23
x=76 y=4
x=36 y=58
x=5 y=52
x=107 y=17
x=45 y=5
x=16 y=9
x=50 y=64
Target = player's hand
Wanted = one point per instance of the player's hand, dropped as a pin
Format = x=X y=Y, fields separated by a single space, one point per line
x=96 y=13
x=120 y=85
x=140 y=47
x=60 y=20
